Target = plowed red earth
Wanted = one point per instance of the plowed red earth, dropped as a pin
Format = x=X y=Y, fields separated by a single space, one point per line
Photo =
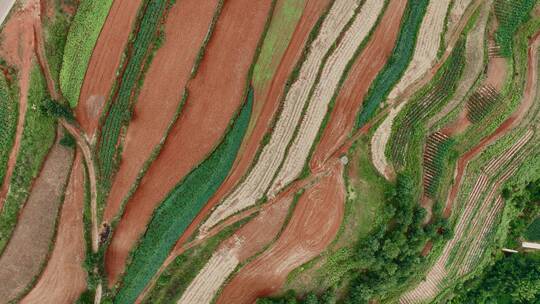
x=310 y=15
x=215 y=94
x=362 y=74
x=104 y=62
x=18 y=50
x=512 y=121
x=312 y=227
x=64 y=278
x=185 y=28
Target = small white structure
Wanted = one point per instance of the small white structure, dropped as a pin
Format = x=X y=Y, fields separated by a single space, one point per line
x=509 y=250
x=529 y=245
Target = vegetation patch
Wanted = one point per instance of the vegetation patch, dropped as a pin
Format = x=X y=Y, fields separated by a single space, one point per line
x=533 y=231
x=183 y=203
x=9 y=112
x=510 y=14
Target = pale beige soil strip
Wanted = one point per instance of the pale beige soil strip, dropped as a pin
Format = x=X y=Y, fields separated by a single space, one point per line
x=29 y=245
x=5 y=7
x=378 y=143
x=324 y=90
x=64 y=278
x=259 y=179
x=456 y=11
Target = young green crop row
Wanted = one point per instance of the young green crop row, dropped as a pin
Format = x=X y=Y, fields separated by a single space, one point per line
x=177 y=211
x=510 y=14
x=8 y=120
x=81 y=39
x=398 y=62
x=119 y=113
x=37 y=137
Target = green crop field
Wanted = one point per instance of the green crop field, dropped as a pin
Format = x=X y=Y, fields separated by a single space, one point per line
x=8 y=119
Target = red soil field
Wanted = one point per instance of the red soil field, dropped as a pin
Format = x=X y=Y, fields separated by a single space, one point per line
x=18 y=50
x=104 y=62
x=531 y=87
x=186 y=26
x=221 y=79
x=64 y=278
x=314 y=224
x=365 y=69
x=310 y=15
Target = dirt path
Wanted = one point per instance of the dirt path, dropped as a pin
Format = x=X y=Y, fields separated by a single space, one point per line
x=106 y=58
x=313 y=225
x=29 y=245
x=510 y=123
x=18 y=50
x=64 y=278
x=185 y=29
x=221 y=78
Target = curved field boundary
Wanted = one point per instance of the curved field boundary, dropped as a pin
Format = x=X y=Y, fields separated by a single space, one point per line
x=64 y=278
x=176 y=212
x=104 y=62
x=324 y=90
x=259 y=179
x=457 y=10
x=29 y=246
x=81 y=39
x=185 y=28
x=226 y=69
x=5 y=8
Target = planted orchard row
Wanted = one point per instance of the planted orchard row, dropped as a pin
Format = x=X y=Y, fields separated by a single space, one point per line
x=8 y=121
x=437 y=148
x=180 y=207
x=510 y=14
x=120 y=110
x=481 y=103
x=397 y=63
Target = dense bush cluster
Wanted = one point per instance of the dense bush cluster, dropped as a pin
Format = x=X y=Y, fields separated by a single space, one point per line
x=526 y=205
x=510 y=14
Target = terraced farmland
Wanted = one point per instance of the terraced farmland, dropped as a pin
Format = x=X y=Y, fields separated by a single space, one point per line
x=272 y=151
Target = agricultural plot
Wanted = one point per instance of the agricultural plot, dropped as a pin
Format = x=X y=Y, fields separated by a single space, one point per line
x=272 y=151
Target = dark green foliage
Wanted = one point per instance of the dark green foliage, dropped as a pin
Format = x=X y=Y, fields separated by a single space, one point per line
x=526 y=202
x=86 y=297
x=68 y=141
x=398 y=62
x=119 y=113
x=510 y=14
x=8 y=121
x=290 y=297
x=55 y=41
x=512 y=279
x=177 y=211
x=533 y=231
x=54 y=109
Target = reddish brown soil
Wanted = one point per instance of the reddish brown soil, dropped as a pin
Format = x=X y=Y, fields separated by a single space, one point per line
x=314 y=224
x=186 y=26
x=64 y=278
x=310 y=15
x=104 y=62
x=219 y=81
x=363 y=72
x=528 y=99
x=29 y=244
x=18 y=50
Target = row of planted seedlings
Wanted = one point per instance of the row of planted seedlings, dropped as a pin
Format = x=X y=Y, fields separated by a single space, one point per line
x=481 y=102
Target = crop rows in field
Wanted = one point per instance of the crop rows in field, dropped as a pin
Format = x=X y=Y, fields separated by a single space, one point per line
x=510 y=15
x=418 y=112
x=177 y=211
x=482 y=102
x=8 y=121
x=397 y=62
x=438 y=145
x=262 y=174
x=81 y=39
x=120 y=110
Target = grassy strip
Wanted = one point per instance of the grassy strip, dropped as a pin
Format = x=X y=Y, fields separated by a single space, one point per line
x=180 y=207
x=38 y=136
x=398 y=62
x=120 y=113
x=9 y=112
x=510 y=14
x=81 y=39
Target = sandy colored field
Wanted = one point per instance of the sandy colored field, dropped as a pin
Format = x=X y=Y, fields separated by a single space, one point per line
x=261 y=175
x=425 y=54
x=221 y=78
x=332 y=72
x=28 y=247
x=313 y=225
x=105 y=60
x=64 y=278
x=17 y=49
x=185 y=29
x=311 y=13
x=363 y=72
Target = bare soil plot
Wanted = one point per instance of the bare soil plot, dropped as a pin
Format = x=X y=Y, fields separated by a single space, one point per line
x=185 y=29
x=64 y=278
x=28 y=247
x=17 y=49
x=363 y=72
x=105 y=60
x=220 y=79
x=313 y=225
